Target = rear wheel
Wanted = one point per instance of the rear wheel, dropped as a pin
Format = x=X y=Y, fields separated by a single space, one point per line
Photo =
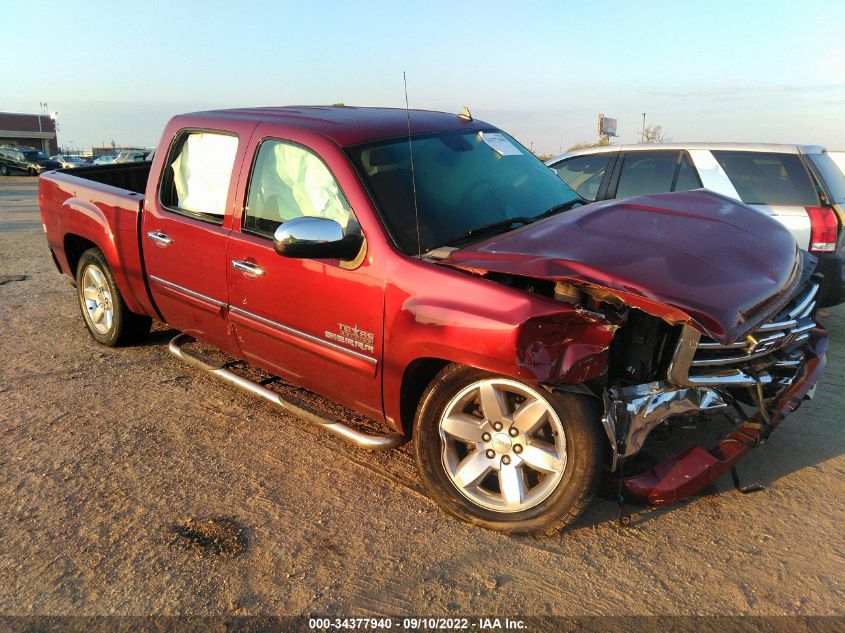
x=106 y=316
x=4 y=171
x=499 y=453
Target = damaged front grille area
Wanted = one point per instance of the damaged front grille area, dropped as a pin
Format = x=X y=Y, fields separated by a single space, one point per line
x=771 y=354
x=705 y=376
x=791 y=326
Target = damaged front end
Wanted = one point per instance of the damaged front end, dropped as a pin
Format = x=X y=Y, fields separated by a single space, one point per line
x=651 y=369
x=687 y=304
x=771 y=370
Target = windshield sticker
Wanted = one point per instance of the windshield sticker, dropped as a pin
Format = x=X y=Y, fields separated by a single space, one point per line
x=500 y=144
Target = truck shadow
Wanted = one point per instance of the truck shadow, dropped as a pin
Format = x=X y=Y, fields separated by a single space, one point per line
x=161 y=334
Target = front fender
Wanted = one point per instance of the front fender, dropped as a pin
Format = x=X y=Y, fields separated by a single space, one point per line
x=479 y=323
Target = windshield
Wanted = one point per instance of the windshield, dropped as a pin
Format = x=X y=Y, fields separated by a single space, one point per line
x=35 y=155
x=831 y=176
x=463 y=181
x=73 y=159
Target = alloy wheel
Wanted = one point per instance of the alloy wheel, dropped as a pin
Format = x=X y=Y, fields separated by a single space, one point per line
x=97 y=298
x=503 y=445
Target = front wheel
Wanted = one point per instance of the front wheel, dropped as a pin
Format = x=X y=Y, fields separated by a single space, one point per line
x=106 y=316
x=498 y=453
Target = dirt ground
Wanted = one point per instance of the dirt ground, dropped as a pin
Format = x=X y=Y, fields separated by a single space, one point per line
x=132 y=484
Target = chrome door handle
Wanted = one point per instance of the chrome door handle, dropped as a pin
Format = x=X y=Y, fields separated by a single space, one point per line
x=159 y=237
x=246 y=267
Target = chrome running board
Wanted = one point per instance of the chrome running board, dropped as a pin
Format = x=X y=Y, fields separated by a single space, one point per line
x=359 y=439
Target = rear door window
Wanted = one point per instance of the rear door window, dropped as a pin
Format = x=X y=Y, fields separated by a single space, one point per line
x=197 y=174
x=584 y=173
x=768 y=178
x=647 y=172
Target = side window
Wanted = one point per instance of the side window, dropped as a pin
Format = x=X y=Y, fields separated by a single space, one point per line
x=687 y=176
x=584 y=173
x=289 y=181
x=197 y=174
x=645 y=172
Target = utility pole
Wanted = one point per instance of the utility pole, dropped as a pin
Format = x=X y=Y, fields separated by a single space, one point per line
x=642 y=136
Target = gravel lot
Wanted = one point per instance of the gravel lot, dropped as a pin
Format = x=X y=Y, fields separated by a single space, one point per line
x=132 y=484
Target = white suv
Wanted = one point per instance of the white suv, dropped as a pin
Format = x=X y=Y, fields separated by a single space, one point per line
x=798 y=185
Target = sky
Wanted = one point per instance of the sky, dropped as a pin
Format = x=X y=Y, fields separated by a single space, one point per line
x=750 y=71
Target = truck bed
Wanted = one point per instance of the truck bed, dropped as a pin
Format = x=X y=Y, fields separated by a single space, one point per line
x=99 y=206
x=129 y=176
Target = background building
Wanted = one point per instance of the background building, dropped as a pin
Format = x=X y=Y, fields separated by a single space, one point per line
x=29 y=130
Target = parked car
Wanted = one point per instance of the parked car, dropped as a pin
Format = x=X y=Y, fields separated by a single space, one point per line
x=24 y=160
x=470 y=301
x=68 y=162
x=131 y=156
x=797 y=185
x=104 y=160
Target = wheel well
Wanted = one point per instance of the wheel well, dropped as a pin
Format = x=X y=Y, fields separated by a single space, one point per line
x=74 y=247
x=418 y=375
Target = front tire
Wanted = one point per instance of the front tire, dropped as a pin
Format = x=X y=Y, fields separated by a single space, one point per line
x=504 y=455
x=104 y=311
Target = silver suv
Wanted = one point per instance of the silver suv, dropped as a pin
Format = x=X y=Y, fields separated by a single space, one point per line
x=798 y=185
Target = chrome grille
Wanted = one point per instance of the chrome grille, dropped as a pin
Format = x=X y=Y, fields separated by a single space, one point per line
x=792 y=325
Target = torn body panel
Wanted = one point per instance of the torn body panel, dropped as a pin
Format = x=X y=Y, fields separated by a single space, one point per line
x=631 y=413
x=566 y=348
x=501 y=326
x=694 y=468
x=704 y=377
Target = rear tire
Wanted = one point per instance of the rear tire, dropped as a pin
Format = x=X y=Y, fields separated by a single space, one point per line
x=104 y=311
x=4 y=171
x=504 y=455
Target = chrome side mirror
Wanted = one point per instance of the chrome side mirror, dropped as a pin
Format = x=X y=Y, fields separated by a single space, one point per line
x=315 y=238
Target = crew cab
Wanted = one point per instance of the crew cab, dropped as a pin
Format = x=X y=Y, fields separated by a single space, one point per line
x=427 y=271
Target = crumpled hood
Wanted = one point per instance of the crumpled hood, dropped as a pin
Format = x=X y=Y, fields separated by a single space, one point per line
x=695 y=257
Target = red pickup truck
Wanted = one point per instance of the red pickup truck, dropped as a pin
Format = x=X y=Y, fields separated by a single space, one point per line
x=427 y=271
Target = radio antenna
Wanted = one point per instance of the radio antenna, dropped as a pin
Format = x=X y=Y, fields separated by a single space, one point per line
x=413 y=174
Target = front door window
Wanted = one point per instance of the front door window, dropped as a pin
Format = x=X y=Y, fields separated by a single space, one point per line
x=289 y=181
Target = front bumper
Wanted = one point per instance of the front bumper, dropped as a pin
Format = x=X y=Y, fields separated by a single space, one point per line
x=694 y=468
